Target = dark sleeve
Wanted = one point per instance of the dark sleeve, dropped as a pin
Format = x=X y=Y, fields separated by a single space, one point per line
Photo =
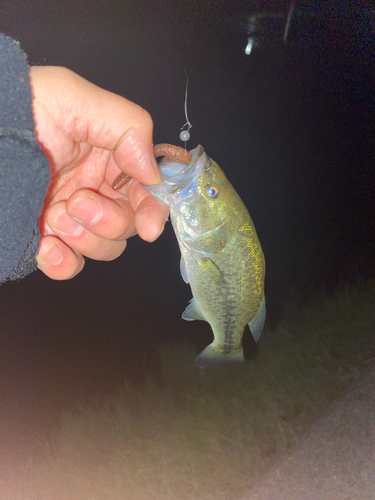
x=24 y=169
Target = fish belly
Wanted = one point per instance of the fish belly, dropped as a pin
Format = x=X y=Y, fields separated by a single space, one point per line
x=227 y=297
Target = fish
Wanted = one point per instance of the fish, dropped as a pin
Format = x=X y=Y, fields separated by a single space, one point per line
x=221 y=256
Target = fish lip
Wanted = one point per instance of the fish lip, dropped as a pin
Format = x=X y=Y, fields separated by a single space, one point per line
x=177 y=182
x=173 y=183
x=196 y=154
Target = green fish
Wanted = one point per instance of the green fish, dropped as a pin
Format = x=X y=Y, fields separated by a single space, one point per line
x=221 y=256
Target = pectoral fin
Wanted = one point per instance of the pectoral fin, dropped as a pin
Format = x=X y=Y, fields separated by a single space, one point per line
x=256 y=325
x=192 y=312
x=183 y=270
x=213 y=272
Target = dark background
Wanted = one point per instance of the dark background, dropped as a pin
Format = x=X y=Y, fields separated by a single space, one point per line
x=291 y=125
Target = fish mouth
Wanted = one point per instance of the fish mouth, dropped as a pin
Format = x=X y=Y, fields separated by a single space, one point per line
x=178 y=180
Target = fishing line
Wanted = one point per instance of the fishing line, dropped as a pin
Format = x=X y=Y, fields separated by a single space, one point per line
x=185 y=134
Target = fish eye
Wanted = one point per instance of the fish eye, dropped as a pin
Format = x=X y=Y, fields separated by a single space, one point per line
x=213 y=190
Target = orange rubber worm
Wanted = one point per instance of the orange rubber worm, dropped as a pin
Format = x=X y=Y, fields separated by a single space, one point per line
x=170 y=152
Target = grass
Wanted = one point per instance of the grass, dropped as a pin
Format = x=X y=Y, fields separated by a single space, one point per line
x=206 y=435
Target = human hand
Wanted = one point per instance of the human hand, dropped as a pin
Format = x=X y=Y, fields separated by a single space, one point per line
x=89 y=135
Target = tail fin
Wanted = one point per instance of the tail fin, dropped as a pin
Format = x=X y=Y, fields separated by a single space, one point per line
x=210 y=357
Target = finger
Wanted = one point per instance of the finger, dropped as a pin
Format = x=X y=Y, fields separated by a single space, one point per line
x=57 y=260
x=150 y=213
x=109 y=219
x=77 y=237
x=103 y=120
x=134 y=158
x=150 y=218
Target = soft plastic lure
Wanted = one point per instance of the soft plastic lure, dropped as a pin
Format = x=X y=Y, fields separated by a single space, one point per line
x=171 y=153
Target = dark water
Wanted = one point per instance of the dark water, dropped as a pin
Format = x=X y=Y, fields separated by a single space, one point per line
x=293 y=128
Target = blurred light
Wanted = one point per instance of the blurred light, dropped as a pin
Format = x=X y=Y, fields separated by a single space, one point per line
x=249 y=46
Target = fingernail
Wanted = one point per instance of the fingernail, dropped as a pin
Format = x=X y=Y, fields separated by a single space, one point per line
x=66 y=225
x=51 y=255
x=85 y=210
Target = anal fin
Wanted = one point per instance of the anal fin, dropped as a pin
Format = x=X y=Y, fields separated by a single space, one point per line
x=192 y=312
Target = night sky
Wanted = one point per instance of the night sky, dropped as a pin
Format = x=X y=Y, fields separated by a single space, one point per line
x=292 y=127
